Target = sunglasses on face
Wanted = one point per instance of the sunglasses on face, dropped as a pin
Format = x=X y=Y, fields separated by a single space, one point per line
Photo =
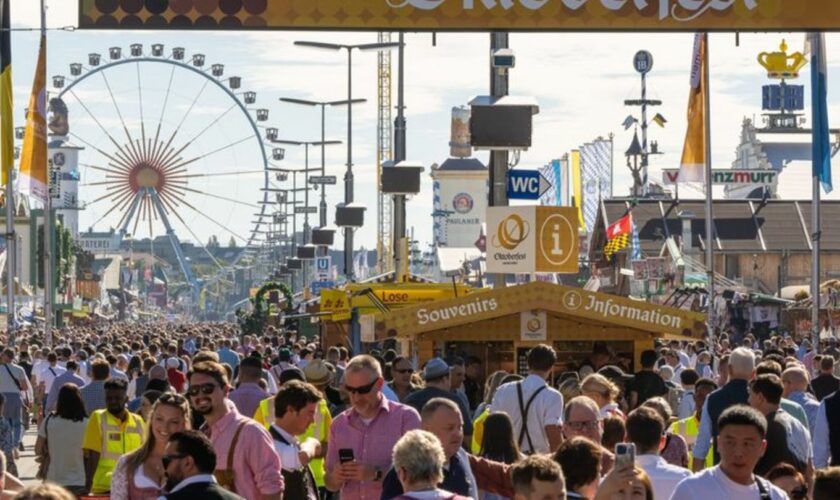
x=404 y=371
x=167 y=459
x=365 y=389
x=205 y=389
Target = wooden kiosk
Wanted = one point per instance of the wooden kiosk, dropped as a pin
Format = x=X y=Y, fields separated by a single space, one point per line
x=500 y=325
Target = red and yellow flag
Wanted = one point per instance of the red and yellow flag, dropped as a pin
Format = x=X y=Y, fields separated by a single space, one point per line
x=693 y=163
x=33 y=157
x=7 y=138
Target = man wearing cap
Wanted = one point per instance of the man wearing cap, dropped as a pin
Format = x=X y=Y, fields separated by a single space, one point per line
x=438 y=385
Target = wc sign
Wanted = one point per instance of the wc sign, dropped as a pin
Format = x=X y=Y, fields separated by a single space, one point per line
x=532 y=239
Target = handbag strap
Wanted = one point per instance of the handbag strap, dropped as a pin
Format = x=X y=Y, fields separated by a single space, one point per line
x=233 y=445
x=17 y=384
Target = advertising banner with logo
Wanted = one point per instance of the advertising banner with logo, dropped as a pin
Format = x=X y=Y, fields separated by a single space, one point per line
x=336 y=302
x=532 y=240
x=414 y=15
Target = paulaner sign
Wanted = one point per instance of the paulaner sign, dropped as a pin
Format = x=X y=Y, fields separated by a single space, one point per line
x=548 y=15
x=670 y=176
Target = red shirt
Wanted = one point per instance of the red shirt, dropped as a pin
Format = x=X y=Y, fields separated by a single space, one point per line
x=176 y=379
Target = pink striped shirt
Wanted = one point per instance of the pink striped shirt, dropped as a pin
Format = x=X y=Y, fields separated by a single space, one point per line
x=256 y=464
x=372 y=444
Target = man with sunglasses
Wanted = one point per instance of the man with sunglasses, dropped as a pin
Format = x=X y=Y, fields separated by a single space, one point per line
x=363 y=436
x=188 y=461
x=247 y=464
x=401 y=372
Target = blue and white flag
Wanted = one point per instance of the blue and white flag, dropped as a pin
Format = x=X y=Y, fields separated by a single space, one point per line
x=635 y=244
x=820 y=143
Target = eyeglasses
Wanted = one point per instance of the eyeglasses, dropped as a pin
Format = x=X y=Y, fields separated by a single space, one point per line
x=404 y=371
x=365 y=389
x=205 y=389
x=171 y=397
x=583 y=424
x=167 y=459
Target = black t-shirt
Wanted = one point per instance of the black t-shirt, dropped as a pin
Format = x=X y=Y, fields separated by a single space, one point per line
x=647 y=385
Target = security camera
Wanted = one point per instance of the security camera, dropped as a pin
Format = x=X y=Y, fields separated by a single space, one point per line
x=503 y=59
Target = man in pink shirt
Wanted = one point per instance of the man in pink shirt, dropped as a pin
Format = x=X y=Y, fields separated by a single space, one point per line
x=249 y=394
x=243 y=447
x=362 y=437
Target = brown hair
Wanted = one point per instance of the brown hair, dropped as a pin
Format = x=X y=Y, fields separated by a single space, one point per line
x=580 y=459
x=211 y=369
x=534 y=467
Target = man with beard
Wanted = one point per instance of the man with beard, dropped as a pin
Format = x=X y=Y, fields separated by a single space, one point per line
x=110 y=433
x=189 y=461
x=248 y=463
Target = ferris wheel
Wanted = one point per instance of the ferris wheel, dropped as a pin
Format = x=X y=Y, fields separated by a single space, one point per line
x=170 y=146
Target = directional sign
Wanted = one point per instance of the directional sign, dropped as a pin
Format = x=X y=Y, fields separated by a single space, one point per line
x=322 y=179
x=526 y=185
x=306 y=210
x=323 y=265
x=317 y=286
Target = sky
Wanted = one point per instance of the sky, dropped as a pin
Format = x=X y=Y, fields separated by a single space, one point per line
x=580 y=81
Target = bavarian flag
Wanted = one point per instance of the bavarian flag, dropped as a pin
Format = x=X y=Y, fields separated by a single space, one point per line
x=618 y=235
x=7 y=138
x=33 y=156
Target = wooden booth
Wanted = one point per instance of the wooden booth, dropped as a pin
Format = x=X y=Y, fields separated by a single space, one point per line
x=499 y=326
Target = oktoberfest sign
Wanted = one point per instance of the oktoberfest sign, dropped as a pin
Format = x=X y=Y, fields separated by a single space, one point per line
x=548 y=15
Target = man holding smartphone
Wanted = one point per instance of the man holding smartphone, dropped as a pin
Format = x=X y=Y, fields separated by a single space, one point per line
x=363 y=436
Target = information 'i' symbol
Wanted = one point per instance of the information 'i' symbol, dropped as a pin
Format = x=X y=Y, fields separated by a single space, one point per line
x=555 y=239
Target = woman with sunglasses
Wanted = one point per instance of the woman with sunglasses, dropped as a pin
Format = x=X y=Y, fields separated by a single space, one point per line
x=140 y=474
x=786 y=477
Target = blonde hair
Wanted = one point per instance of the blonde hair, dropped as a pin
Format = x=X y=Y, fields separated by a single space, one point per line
x=45 y=491
x=600 y=384
x=135 y=459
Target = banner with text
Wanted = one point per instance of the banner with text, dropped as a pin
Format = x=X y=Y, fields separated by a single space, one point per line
x=376 y=15
x=532 y=239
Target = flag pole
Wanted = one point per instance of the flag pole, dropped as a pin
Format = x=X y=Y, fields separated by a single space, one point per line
x=8 y=168
x=48 y=225
x=710 y=255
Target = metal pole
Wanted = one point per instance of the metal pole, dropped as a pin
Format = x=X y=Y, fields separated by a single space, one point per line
x=294 y=224
x=398 y=238
x=306 y=215
x=710 y=237
x=48 y=222
x=498 y=159
x=816 y=236
x=644 y=174
x=348 y=177
x=11 y=239
x=323 y=207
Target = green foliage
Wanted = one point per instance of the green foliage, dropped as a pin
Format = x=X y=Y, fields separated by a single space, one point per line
x=253 y=322
x=232 y=242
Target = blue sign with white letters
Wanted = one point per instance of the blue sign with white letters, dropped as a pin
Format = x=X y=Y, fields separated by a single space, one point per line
x=317 y=286
x=526 y=185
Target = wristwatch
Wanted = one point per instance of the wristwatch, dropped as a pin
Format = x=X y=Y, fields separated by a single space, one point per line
x=377 y=476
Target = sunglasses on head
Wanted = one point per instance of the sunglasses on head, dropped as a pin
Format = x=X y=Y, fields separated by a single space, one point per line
x=167 y=459
x=365 y=389
x=171 y=397
x=205 y=389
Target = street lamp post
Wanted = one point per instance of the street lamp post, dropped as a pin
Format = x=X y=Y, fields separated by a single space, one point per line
x=348 y=176
x=323 y=104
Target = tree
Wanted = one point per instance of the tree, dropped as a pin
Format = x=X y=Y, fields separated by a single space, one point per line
x=232 y=242
x=213 y=242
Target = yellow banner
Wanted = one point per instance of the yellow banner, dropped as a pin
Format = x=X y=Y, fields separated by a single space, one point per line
x=7 y=138
x=405 y=294
x=577 y=186
x=336 y=302
x=33 y=156
x=693 y=163
x=548 y=15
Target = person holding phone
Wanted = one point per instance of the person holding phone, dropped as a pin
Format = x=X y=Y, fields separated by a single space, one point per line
x=363 y=436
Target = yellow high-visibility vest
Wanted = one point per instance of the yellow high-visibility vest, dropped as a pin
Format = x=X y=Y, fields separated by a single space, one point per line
x=118 y=438
x=478 y=431
x=323 y=419
x=689 y=428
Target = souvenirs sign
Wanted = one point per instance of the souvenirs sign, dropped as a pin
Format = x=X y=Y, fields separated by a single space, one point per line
x=556 y=300
x=479 y=15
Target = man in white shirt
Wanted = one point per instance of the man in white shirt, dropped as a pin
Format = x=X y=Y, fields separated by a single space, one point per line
x=47 y=376
x=741 y=444
x=646 y=430
x=535 y=408
x=294 y=408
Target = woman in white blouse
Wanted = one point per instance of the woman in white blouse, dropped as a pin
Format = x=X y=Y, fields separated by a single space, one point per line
x=140 y=474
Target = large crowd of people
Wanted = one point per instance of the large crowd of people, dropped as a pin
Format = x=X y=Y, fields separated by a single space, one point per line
x=148 y=411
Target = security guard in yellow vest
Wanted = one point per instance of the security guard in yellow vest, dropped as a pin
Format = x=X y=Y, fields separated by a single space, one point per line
x=689 y=427
x=320 y=428
x=110 y=434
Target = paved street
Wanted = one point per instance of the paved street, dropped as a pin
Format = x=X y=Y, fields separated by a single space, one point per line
x=26 y=463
